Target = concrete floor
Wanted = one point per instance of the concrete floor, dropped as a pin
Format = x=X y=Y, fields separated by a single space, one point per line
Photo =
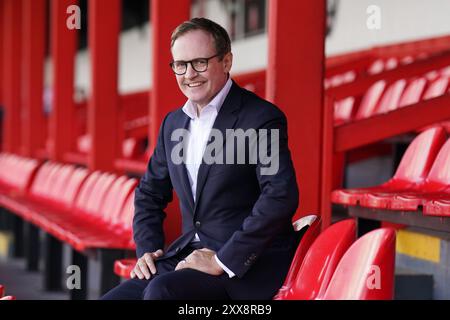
x=25 y=285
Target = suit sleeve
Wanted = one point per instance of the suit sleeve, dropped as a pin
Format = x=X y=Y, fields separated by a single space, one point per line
x=152 y=195
x=272 y=211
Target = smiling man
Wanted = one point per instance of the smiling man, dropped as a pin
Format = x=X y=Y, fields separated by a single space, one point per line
x=237 y=238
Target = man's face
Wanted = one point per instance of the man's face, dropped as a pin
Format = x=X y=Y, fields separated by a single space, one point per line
x=200 y=87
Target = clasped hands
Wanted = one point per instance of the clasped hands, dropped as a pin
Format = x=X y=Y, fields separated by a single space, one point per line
x=202 y=260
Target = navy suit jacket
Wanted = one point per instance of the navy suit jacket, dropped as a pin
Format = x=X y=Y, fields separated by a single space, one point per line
x=244 y=216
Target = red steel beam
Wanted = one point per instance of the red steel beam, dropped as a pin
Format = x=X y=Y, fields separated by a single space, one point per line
x=403 y=120
x=103 y=35
x=33 y=44
x=12 y=15
x=166 y=96
x=63 y=49
x=295 y=83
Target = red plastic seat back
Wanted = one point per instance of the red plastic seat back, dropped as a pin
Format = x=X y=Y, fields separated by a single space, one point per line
x=437 y=88
x=119 y=210
x=308 y=238
x=370 y=100
x=86 y=190
x=99 y=192
x=74 y=184
x=440 y=171
x=419 y=157
x=413 y=92
x=343 y=110
x=38 y=186
x=366 y=271
x=321 y=260
x=114 y=199
x=126 y=218
x=60 y=184
x=391 y=98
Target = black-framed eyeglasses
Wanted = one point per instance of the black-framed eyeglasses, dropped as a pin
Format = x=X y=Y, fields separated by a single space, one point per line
x=200 y=65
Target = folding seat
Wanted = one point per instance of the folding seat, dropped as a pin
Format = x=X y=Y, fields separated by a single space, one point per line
x=413 y=92
x=376 y=67
x=313 y=224
x=366 y=271
x=439 y=206
x=370 y=100
x=434 y=187
x=321 y=260
x=343 y=110
x=105 y=225
x=437 y=88
x=391 y=97
x=73 y=187
x=36 y=189
x=391 y=63
x=413 y=170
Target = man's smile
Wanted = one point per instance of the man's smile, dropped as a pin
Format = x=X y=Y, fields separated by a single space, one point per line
x=195 y=84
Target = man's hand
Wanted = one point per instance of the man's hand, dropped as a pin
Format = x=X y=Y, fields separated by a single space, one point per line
x=201 y=260
x=146 y=265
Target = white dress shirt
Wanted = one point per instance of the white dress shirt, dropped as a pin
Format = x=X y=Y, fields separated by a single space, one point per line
x=200 y=127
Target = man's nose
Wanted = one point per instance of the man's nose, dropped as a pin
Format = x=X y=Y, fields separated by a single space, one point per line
x=190 y=72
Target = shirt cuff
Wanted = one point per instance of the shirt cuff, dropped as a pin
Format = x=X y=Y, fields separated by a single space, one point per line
x=228 y=271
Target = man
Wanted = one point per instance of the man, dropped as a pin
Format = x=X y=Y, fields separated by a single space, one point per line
x=237 y=240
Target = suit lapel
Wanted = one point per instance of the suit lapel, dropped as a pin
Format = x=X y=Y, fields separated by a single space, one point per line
x=182 y=171
x=226 y=119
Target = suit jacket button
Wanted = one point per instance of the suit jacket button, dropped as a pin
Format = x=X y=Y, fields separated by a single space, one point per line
x=197 y=224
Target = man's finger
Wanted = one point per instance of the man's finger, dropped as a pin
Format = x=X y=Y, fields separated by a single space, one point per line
x=158 y=253
x=181 y=265
x=138 y=272
x=150 y=263
x=132 y=274
x=144 y=268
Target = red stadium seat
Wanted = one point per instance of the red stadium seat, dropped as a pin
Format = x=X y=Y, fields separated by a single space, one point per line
x=438 y=207
x=433 y=187
x=308 y=238
x=413 y=169
x=391 y=97
x=366 y=271
x=370 y=100
x=413 y=92
x=321 y=260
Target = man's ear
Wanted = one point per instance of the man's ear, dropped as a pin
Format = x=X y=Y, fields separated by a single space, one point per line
x=228 y=62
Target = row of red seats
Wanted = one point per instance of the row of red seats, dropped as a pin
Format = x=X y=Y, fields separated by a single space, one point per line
x=334 y=265
x=422 y=180
x=381 y=98
x=84 y=209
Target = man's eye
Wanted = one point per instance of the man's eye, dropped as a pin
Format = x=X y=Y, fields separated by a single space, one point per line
x=200 y=62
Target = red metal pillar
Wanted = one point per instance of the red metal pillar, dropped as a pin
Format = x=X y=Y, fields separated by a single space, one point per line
x=12 y=16
x=166 y=96
x=294 y=82
x=33 y=44
x=104 y=28
x=63 y=49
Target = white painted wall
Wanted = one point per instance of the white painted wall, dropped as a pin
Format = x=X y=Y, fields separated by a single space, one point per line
x=401 y=20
